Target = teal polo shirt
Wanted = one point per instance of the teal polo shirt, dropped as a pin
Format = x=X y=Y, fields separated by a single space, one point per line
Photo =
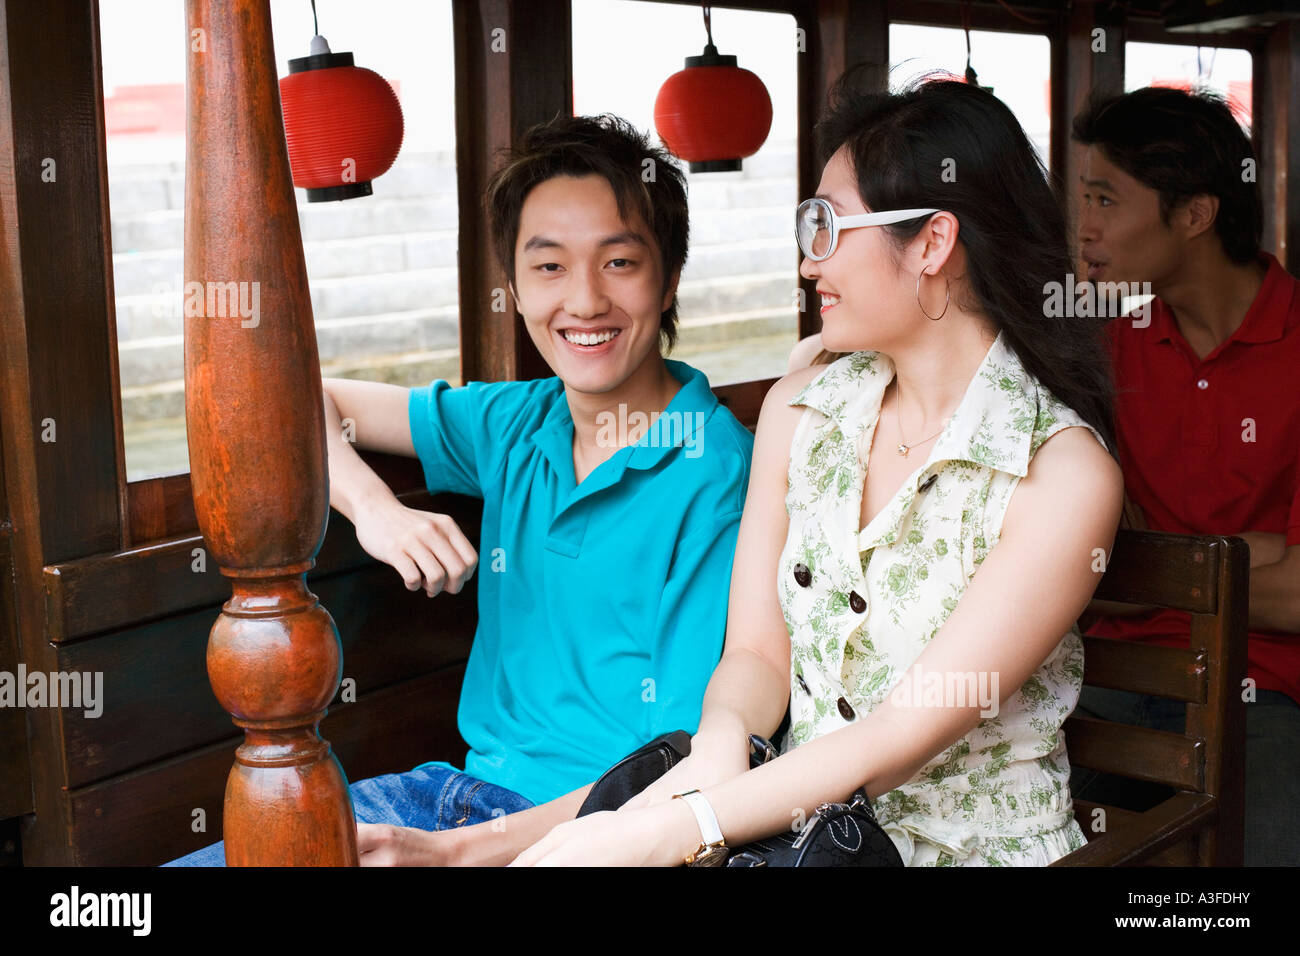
x=602 y=606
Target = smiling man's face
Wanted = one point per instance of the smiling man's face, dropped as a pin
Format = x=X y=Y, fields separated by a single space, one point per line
x=1121 y=235
x=589 y=285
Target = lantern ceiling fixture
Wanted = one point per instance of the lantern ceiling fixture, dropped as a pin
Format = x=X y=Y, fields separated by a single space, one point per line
x=713 y=114
x=342 y=123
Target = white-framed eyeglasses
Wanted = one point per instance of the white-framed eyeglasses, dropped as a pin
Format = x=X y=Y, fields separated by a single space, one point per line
x=817 y=227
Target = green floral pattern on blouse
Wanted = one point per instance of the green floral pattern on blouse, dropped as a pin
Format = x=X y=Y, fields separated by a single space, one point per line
x=1000 y=795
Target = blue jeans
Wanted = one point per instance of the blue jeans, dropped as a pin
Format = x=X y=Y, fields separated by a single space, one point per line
x=427 y=798
x=1272 y=766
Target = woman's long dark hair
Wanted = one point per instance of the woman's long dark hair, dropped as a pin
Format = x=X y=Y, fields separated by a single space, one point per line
x=947 y=145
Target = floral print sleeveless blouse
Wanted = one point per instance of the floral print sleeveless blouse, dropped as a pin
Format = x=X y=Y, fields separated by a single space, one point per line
x=860 y=607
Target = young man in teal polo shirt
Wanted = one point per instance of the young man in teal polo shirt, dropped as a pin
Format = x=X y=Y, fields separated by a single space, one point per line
x=611 y=501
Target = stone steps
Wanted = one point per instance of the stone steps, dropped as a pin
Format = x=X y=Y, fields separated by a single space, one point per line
x=138 y=273
x=136 y=187
x=384 y=280
x=143 y=281
x=408 y=317
x=165 y=228
x=412 y=359
x=155 y=438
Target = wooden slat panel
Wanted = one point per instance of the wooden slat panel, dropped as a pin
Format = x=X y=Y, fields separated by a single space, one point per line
x=57 y=232
x=1180 y=854
x=153 y=581
x=163 y=507
x=1148 y=567
x=1136 y=752
x=155 y=675
x=1184 y=852
x=1171 y=672
x=1149 y=837
x=15 y=773
x=1221 y=720
x=144 y=818
x=57 y=344
x=745 y=399
x=1083 y=815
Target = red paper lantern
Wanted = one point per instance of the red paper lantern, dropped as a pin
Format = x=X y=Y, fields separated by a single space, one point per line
x=713 y=113
x=343 y=124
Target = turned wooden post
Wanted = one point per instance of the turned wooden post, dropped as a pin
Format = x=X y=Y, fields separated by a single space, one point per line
x=257 y=446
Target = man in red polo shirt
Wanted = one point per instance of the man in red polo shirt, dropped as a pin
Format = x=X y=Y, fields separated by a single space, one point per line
x=1207 y=408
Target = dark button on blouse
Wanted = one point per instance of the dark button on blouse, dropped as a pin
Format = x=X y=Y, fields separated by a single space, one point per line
x=857 y=602
x=803 y=683
x=802 y=576
x=846 y=709
x=927 y=483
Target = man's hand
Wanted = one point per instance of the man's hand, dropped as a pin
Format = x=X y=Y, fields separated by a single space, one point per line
x=428 y=550
x=380 y=844
x=1264 y=548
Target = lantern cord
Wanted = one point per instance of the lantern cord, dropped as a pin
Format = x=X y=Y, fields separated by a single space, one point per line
x=708 y=20
x=314 y=24
x=971 y=78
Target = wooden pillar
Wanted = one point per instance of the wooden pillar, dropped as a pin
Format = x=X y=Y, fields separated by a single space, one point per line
x=254 y=412
x=514 y=69
x=1087 y=60
x=839 y=35
x=1276 y=129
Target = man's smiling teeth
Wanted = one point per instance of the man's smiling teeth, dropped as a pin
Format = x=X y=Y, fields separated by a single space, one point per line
x=589 y=338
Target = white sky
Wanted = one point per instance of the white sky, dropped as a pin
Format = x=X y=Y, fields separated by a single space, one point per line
x=409 y=43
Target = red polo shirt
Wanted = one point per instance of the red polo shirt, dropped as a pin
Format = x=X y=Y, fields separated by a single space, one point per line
x=1212 y=446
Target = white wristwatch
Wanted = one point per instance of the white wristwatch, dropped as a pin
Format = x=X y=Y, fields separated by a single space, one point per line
x=712 y=850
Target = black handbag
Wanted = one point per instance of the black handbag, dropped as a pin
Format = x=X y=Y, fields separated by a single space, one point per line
x=838 y=834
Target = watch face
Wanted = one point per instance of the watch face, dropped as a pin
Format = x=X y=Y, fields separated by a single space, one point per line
x=710 y=856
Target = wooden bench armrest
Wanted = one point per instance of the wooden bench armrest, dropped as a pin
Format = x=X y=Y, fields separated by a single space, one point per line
x=1148 y=833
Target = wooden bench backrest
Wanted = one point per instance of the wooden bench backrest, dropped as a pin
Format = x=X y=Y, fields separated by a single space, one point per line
x=1208 y=577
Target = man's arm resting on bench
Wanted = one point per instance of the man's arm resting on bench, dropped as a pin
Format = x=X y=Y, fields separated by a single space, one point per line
x=493 y=843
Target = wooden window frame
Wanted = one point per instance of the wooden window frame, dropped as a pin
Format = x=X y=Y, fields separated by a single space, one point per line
x=80 y=548
x=531 y=84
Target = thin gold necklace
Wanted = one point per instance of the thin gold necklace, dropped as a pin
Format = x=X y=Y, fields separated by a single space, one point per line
x=903 y=446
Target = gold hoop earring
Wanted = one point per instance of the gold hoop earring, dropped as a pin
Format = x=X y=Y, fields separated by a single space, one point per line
x=947 y=297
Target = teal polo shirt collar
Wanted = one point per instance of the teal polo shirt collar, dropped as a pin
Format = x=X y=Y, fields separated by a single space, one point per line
x=688 y=412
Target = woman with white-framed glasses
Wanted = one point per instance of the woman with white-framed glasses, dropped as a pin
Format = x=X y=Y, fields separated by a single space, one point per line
x=923 y=523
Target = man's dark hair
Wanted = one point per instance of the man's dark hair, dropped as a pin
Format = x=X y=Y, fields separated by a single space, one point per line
x=1181 y=145
x=605 y=146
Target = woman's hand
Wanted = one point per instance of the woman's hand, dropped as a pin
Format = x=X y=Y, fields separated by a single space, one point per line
x=654 y=836
x=380 y=844
x=428 y=550
x=711 y=761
